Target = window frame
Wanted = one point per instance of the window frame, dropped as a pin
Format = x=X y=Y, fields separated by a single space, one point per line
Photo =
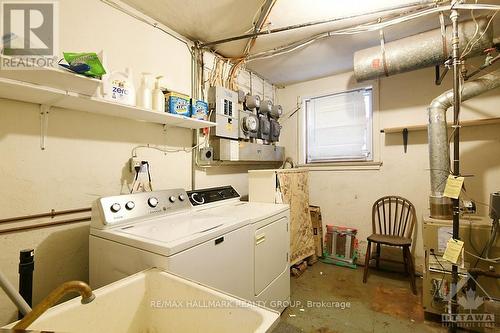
x=372 y=163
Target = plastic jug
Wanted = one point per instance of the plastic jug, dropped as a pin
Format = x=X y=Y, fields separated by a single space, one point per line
x=158 y=96
x=145 y=95
x=119 y=87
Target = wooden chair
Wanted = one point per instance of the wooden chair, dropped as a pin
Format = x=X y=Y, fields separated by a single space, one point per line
x=393 y=219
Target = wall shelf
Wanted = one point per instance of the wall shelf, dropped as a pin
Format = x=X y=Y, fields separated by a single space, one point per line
x=55 y=78
x=463 y=123
x=39 y=94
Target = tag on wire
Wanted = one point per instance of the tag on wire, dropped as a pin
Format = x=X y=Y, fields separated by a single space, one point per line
x=453 y=250
x=453 y=187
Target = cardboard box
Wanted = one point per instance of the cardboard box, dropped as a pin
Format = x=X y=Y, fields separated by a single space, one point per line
x=199 y=109
x=317 y=225
x=178 y=104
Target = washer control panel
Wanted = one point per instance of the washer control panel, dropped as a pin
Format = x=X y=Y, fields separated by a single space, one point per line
x=123 y=208
x=209 y=195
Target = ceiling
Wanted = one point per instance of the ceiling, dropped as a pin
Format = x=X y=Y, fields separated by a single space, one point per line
x=217 y=19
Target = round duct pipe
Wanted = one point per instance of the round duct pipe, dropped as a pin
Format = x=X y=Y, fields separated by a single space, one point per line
x=439 y=153
x=418 y=51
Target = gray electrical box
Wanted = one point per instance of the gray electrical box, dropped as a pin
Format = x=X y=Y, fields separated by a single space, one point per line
x=495 y=206
x=224 y=103
x=233 y=150
x=206 y=154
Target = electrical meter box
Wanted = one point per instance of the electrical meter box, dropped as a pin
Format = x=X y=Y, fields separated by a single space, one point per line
x=224 y=103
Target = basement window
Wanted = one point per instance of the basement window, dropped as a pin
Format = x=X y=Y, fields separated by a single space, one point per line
x=339 y=127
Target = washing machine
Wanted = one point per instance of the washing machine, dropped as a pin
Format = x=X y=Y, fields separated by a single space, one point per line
x=204 y=242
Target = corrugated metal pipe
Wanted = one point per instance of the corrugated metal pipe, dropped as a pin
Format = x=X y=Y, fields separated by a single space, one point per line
x=439 y=154
x=423 y=50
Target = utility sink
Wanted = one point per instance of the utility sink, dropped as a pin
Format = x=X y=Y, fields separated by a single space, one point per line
x=154 y=301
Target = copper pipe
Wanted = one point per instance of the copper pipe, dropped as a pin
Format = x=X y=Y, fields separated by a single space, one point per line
x=44 y=225
x=72 y=286
x=52 y=214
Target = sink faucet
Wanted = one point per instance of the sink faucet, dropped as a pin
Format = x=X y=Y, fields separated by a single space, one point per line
x=71 y=286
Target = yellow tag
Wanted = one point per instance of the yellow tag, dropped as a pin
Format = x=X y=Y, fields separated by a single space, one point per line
x=453 y=250
x=453 y=186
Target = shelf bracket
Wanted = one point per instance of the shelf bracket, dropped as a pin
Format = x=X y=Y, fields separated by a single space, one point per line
x=44 y=124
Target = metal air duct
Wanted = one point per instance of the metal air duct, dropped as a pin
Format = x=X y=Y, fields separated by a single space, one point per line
x=423 y=50
x=439 y=154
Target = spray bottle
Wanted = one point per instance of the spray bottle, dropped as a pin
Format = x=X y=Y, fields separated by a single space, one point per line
x=158 y=96
x=145 y=95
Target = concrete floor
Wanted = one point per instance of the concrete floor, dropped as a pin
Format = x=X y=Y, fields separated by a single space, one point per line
x=384 y=304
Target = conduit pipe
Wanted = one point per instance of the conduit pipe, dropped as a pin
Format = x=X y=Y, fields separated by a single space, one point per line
x=420 y=4
x=439 y=152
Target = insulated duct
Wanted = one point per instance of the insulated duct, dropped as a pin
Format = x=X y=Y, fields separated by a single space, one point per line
x=423 y=50
x=439 y=154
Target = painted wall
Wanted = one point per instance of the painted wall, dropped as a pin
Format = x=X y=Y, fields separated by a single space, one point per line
x=346 y=195
x=87 y=154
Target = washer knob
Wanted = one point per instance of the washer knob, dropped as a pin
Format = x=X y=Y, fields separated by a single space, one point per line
x=130 y=205
x=153 y=202
x=172 y=199
x=115 y=207
x=182 y=197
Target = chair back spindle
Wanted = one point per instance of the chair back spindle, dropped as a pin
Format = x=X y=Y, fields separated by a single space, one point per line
x=394 y=216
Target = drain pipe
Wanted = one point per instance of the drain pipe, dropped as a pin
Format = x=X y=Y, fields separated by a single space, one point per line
x=17 y=299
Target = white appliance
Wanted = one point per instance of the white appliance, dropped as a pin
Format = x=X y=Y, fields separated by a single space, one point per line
x=236 y=247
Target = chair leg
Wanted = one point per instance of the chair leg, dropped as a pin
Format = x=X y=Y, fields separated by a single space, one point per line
x=411 y=269
x=367 y=261
x=378 y=256
x=405 y=261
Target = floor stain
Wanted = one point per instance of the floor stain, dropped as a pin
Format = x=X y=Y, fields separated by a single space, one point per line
x=323 y=330
x=384 y=304
x=398 y=302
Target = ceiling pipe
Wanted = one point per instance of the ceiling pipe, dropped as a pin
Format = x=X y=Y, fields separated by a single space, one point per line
x=422 y=4
x=294 y=46
x=418 y=51
x=439 y=152
x=264 y=14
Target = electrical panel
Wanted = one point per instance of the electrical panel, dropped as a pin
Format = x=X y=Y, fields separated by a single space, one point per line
x=247 y=127
x=224 y=105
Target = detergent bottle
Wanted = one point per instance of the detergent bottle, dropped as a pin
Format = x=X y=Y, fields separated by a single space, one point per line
x=119 y=87
x=158 y=96
x=145 y=95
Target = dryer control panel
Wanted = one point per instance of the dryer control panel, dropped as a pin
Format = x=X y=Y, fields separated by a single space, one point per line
x=121 y=209
x=209 y=195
